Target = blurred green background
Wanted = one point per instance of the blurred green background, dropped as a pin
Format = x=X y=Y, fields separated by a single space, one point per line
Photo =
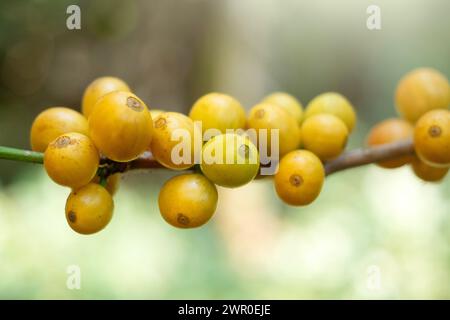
x=373 y=233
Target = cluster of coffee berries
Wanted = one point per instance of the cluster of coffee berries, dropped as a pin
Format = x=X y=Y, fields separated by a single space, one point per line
x=115 y=124
x=307 y=138
x=218 y=143
x=422 y=99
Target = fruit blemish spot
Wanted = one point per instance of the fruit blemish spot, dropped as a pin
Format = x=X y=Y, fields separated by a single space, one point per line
x=296 y=180
x=259 y=114
x=161 y=122
x=182 y=219
x=63 y=142
x=134 y=104
x=72 y=216
x=434 y=131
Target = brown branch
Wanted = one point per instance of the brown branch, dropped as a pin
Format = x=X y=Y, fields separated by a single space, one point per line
x=349 y=159
x=363 y=156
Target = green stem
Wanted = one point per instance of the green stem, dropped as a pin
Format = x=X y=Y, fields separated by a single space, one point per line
x=21 y=155
x=102 y=174
x=103 y=181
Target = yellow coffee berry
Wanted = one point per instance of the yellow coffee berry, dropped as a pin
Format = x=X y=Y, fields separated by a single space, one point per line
x=89 y=209
x=230 y=160
x=325 y=135
x=388 y=131
x=427 y=172
x=52 y=123
x=188 y=200
x=218 y=111
x=432 y=138
x=121 y=126
x=300 y=177
x=288 y=102
x=71 y=160
x=97 y=89
x=335 y=104
x=173 y=142
x=268 y=116
x=420 y=91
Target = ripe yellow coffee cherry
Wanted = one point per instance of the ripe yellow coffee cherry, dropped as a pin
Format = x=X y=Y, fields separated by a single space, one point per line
x=325 y=135
x=388 y=131
x=121 y=126
x=288 y=102
x=97 y=89
x=432 y=138
x=177 y=154
x=188 y=200
x=427 y=172
x=112 y=182
x=299 y=178
x=218 y=111
x=335 y=104
x=89 y=209
x=230 y=160
x=270 y=116
x=52 y=123
x=422 y=90
x=71 y=160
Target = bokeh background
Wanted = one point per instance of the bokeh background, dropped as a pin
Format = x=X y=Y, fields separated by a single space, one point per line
x=373 y=233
